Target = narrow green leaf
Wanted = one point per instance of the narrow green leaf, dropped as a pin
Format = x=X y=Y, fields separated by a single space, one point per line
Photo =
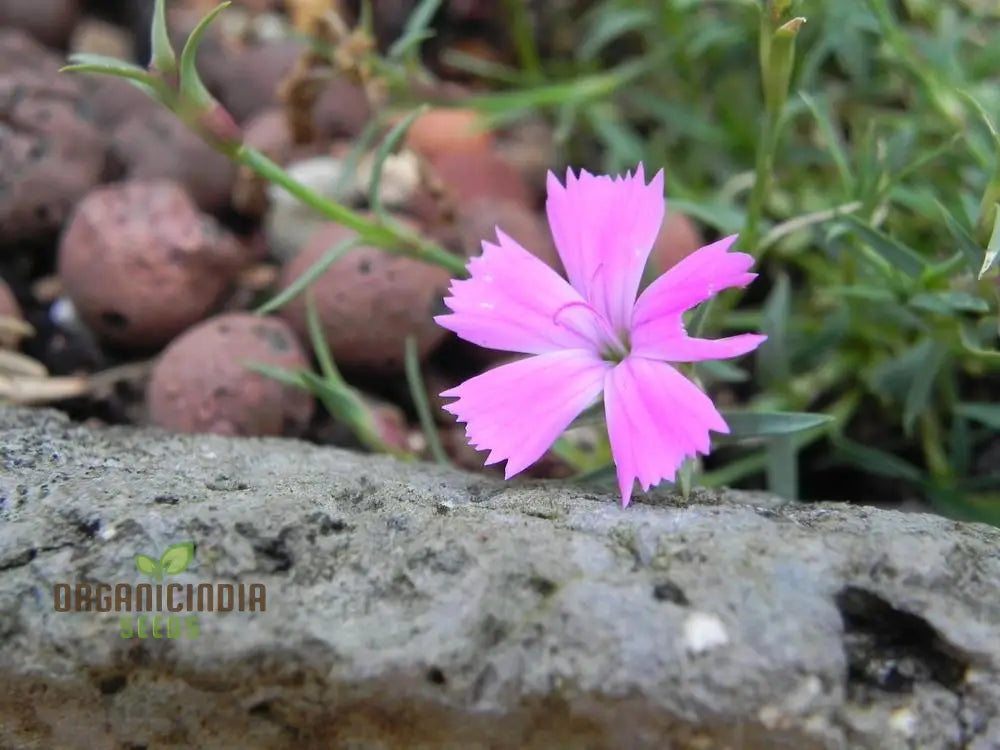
x=164 y=58
x=894 y=252
x=608 y=26
x=970 y=342
x=417 y=28
x=983 y=412
x=177 y=558
x=281 y=374
x=100 y=65
x=968 y=246
x=772 y=357
x=949 y=302
x=111 y=65
x=834 y=142
x=193 y=91
x=721 y=371
x=876 y=461
x=993 y=246
x=480 y=67
x=782 y=469
x=382 y=153
x=930 y=360
x=752 y=424
x=314 y=271
x=862 y=292
x=317 y=337
x=946 y=269
x=418 y=392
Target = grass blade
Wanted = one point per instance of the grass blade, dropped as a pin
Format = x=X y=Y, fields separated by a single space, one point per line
x=895 y=253
x=418 y=392
x=304 y=281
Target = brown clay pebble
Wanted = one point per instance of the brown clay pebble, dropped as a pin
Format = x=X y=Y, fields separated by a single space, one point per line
x=479 y=219
x=155 y=145
x=201 y=382
x=141 y=264
x=448 y=131
x=49 y=21
x=480 y=175
x=678 y=238
x=369 y=301
x=50 y=155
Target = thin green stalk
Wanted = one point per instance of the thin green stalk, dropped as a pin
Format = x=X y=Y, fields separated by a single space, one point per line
x=418 y=392
x=393 y=238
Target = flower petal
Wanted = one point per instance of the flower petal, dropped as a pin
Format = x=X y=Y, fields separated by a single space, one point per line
x=692 y=281
x=517 y=410
x=646 y=342
x=515 y=302
x=604 y=229
x=656 y=419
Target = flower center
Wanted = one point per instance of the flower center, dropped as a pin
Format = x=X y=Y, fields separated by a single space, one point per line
x=581 y=318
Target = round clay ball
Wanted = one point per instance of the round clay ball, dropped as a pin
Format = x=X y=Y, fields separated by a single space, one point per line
x=201 y=382
x=445 y=130
x=49 y=21
x=50 y=153
x=156 y=145
x=678 y=238
x=141 y=264
x=479 y=219
x=369 y=301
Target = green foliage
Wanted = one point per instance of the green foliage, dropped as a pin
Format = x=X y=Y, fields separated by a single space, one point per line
x=870 y=199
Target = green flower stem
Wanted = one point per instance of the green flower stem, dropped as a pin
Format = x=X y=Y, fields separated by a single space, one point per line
x=777 y=57
x=390 y=237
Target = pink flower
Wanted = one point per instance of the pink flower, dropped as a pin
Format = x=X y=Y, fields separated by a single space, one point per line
x=592 y=337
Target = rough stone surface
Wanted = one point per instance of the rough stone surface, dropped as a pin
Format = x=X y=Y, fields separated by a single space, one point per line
x=419 y=607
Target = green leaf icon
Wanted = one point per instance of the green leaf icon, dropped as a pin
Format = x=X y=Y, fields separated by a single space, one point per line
x=177 y=558
x=147 y=565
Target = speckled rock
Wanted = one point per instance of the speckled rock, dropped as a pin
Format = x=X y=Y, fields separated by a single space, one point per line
x=141 y=264
x=51 y=152
x=369 y=301
x=412 y=606
x=201 y=383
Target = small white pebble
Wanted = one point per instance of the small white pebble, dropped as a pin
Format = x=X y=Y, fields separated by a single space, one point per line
x=903 y=721
x=704 y=631
x=108 y=533
x=63 y=313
